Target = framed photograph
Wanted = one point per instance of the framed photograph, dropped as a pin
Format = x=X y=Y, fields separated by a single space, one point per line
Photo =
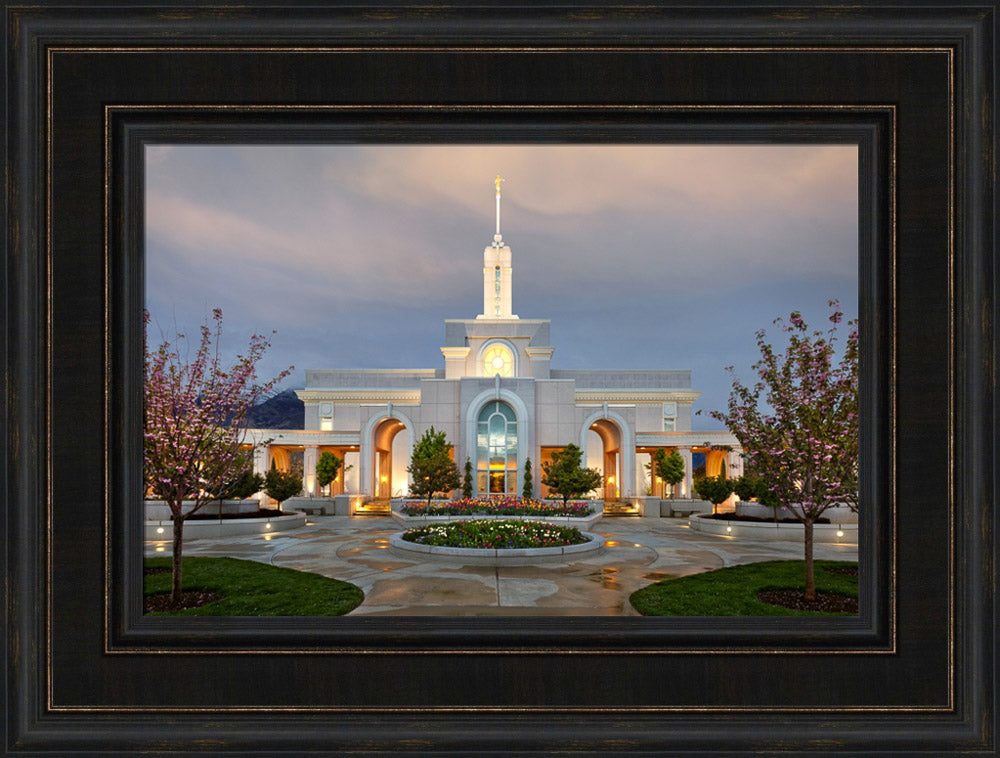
x=359 y=259
x=97 y=94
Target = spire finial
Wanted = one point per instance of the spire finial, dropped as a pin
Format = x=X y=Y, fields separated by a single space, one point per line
x=497 y=238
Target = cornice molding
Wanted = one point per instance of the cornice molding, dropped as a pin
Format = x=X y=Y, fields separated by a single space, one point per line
x=373 y=395
x=635 y=396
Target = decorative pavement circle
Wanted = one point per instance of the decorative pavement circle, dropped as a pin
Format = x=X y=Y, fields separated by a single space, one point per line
x=637 y=552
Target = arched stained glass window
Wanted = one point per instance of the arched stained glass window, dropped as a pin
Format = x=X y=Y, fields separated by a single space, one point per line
x=496 y=449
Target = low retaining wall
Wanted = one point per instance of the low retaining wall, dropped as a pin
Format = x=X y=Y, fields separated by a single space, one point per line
x=839 y=514
x=230 y=527
x=581 y=523
x=322 y=506
x=842 y=534
x=158 y=510
x=683 y=506
x=498 y=557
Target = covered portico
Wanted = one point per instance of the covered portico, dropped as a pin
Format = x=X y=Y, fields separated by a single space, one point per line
x=282 y=446
x=721 y=454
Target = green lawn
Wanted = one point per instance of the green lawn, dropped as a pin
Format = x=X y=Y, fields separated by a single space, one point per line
x=254 y=589
x=733 y=591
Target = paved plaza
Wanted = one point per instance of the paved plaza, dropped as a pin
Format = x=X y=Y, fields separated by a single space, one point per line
x=637 y=552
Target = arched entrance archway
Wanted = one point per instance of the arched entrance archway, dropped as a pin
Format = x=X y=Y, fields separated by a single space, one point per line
x=611 y=445
x=617 y=454
x=389 y=458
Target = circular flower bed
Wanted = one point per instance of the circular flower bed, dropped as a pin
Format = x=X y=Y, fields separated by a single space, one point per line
x=495 y=535
x=509 y=506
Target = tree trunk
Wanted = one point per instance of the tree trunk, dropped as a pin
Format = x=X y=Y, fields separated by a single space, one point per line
x=807 y=525
x=175 y=588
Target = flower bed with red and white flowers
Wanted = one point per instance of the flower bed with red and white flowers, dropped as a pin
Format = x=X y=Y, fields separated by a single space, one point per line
x=494 y=541
x=508 y=506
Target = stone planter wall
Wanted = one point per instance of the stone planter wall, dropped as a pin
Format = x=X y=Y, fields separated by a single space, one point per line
x=342 y=504
x=649 y=507
x=764 y=532
x=158 y=510
x=491 y=557
x=323 y=506
x=230 y=527
x=840 y=514
x=683 y=507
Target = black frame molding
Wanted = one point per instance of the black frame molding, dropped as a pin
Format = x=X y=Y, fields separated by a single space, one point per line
x=88 y=85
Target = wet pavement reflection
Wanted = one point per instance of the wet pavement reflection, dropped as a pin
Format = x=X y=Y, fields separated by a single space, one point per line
x=638 y=552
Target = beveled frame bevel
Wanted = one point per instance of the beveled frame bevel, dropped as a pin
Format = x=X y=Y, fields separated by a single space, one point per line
x=871 y=128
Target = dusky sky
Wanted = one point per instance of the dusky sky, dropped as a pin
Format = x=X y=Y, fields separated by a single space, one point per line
x=643 y=256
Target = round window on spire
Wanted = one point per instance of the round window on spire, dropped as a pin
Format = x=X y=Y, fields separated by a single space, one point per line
x=498 y=359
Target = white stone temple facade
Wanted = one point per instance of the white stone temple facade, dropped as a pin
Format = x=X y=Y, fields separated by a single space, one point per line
x=499 y=401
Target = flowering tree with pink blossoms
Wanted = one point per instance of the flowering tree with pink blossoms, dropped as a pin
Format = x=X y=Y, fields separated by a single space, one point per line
x=803 y=439
x=194 y=434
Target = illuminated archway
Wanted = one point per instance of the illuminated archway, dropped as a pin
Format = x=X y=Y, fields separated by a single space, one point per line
x=377 y=443
x=616 y=440
x=389 y=459
x=610 y=437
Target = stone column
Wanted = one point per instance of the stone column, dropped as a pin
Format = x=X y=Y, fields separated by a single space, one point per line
x=735 y=464
x=309 y=461
x=260 y=463
x=688 y=490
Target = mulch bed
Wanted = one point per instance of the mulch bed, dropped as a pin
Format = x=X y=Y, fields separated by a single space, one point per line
x=845 y=570
x=190 y=599
x=796 y=600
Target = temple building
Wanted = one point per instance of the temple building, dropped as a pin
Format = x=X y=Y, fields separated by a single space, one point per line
x=499 y=401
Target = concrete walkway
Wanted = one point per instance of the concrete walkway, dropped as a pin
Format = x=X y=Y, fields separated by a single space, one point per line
x=638 y=552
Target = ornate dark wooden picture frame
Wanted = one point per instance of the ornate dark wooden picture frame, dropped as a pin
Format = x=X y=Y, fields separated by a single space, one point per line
x=89 y=86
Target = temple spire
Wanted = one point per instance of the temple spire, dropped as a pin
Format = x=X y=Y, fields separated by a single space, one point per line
x=497 y=238
x=497 y=272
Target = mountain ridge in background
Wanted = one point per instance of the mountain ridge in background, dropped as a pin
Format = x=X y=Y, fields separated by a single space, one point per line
x=281 y=411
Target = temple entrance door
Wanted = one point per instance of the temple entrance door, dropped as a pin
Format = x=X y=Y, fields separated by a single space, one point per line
x=611 y=488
